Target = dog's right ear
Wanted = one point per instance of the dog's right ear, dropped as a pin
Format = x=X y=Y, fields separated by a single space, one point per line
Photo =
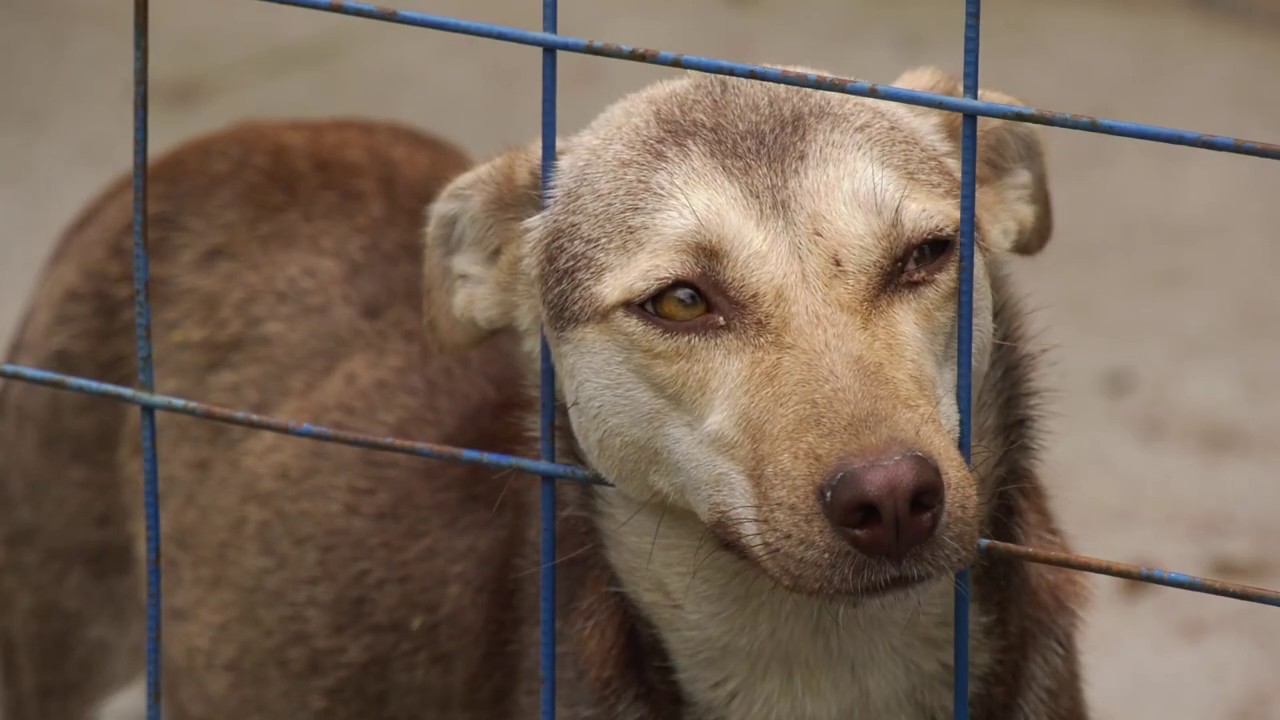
x=1012 y=180
x=475 y=239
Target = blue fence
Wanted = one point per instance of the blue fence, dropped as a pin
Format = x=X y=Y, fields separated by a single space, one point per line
x=550 y=41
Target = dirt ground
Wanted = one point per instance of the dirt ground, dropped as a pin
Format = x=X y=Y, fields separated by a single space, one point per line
x=1152 y=295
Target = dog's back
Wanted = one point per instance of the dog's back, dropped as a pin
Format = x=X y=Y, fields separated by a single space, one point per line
x=286 y=279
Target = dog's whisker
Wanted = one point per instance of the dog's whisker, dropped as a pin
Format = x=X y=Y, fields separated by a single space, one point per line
x=638 y=510
x=656 y=528
x=558 y=561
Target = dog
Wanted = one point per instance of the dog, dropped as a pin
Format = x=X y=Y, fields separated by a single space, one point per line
x=748 y=292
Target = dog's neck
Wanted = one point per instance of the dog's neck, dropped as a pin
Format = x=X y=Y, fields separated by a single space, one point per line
x=742 y=647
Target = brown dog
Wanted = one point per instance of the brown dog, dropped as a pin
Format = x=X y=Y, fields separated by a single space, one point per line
x=749 y=292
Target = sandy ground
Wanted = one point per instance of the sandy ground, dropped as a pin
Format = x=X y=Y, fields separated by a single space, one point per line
x=1153 y=294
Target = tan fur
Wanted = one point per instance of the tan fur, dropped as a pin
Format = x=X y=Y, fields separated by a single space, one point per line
x=309 y=580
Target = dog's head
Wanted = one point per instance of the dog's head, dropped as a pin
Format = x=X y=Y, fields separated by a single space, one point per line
x=749 y=291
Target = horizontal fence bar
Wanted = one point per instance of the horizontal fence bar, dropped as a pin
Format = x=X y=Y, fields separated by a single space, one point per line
x=434 y=451
x=206 y=411
x=1153 y=576
x=848 y=86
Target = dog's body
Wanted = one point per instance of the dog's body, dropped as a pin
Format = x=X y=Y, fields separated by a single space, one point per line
x=307 y=580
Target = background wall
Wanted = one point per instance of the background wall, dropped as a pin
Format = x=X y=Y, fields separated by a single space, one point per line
x=1157 y=294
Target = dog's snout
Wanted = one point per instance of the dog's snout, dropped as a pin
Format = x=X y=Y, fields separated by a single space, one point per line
x=885 y=505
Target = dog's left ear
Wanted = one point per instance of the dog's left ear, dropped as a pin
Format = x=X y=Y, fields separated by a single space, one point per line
x=474 y=245
x=1013 y=192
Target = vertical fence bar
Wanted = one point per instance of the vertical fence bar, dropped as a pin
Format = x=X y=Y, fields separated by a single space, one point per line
x=964 y=331
x=547 y=396
x=146 y=371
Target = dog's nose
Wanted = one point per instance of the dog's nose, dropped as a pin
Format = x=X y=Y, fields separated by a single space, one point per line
x=886 y=505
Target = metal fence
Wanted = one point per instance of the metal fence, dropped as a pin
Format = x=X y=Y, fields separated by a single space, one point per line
x=550 y=41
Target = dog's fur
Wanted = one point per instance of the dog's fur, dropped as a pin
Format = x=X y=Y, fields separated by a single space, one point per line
x=307 y=580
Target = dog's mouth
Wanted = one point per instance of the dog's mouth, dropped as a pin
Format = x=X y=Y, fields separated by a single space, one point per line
x=846 y=579
x=862 y=587
x=897 y=583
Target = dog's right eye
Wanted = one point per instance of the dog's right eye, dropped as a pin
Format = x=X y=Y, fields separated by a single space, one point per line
x=679 y=303
x=926 y=258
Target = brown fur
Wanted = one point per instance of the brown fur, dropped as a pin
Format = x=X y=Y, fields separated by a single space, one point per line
x=310 y=580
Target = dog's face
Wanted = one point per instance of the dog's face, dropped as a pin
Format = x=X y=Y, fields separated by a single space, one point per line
x=750 y=295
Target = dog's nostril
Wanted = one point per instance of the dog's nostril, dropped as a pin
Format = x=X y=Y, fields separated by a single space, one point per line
x=926 y=501
x=864 y=517
x=885 y=506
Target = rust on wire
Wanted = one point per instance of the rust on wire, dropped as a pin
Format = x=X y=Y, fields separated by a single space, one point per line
x=244 y=418
x=377 y=11
x=1154 y=576
x=795 y=78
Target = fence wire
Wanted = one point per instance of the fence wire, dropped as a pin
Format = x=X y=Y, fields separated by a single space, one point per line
x=149 y=402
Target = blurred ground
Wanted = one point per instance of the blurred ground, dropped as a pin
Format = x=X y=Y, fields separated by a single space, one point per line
x=1155 y=294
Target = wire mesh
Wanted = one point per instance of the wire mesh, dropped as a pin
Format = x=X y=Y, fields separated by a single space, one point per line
x=546 y=468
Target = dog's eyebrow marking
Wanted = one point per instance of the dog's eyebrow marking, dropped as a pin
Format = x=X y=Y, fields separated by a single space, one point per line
x=696 y=218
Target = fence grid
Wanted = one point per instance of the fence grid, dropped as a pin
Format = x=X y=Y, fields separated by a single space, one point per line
x=550 y=472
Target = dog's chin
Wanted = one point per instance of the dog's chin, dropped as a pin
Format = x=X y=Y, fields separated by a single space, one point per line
x=857 y=580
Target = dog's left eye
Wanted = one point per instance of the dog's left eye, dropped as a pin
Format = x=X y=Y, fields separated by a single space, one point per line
x=677 y=303
x=924 y=257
